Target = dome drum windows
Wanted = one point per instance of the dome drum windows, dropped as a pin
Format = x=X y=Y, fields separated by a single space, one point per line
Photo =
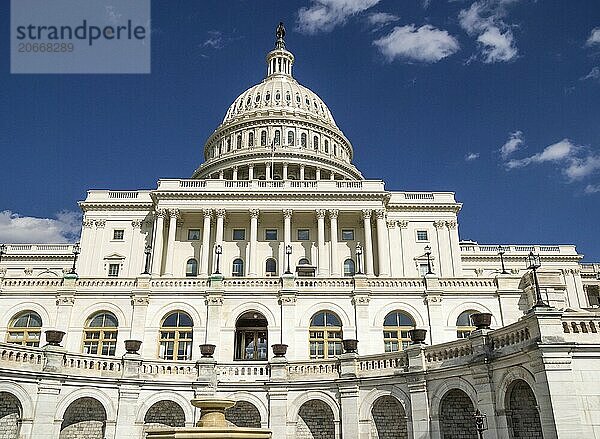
x=239 y=141
x=100 y=334
x=176 y=337
x=250 y=139
x=396 y=327
x=291 y=138
x=277 y=138
x=25 y=329
x=263 y=137
x=325 y=335
x=303 y=141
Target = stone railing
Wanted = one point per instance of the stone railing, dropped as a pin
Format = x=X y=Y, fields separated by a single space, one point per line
x=310 y=283
x=313 y=368
x=467 y=248
x=242 y=372
x=513 y=335
x=22 y=356
x=39 y=249
x=382 y=364
x=441 y=354
x=166 y=367
x=272 y=185
x=90 y=364
x=32 y=282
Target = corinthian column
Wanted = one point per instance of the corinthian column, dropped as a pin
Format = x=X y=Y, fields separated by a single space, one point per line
x=368 y=254
x=321 y=242
x=220 y=214
x=157 y=248
x=335 y=264
x=254 y=213
x=173 y=217
x=205 y=243
x=383 y=251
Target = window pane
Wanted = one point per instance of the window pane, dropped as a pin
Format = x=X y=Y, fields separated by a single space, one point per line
x=239 y=234
x=303 y=235
x=118 y=235
x=193 y=234
x=185 y=320
x=332 y=320
x=318 y=319
x=271 y=234
x=171 y=320
x=422 y=235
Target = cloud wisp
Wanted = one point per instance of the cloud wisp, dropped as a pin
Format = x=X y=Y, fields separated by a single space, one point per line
x=471 y=156
x=378 y=20
x=425 y=44
x=485 y=19
x=325 y=15
x=594 y=75
x=14 y=228
x=594 y=38
x=513 y=144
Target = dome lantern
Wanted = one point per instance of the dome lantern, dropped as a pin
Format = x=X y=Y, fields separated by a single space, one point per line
x=280 y=60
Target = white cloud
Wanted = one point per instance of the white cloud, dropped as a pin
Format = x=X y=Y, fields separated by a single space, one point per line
x=15 y=228
x=581 y=167
x=556 y=152
x=215 y=40
x=514 y=143
x=325 y=15
x=381 y=19
x=594 y=37
x=424 y=44
x=593 y=75
x=485 y=19
x=469 y=157
x=592 y=189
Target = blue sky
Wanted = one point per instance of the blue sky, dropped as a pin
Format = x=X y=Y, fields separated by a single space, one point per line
x=497 y=100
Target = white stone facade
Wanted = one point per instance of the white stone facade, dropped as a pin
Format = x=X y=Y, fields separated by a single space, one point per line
x=359 y=253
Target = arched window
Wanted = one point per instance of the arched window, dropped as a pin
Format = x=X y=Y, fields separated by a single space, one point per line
x=316 y=142
x=277 y=139
x=191 y=268
x=176 y=337
x=326 y=146
x=303 y=140
x=239 y=141
x=290 y=139
x=251 y=337
x=263 y=138
x=100 y=334
x=464 y=324
x=395 y=330
x=268 y=96
x=25 y=329
x=303 y=261
x=228 y=145
x=349 y=267
x=250 y=139
x=237 y=268
x=325 y=335
x=271 y=267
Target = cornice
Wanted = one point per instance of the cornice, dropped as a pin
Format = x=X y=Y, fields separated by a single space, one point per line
x=268 y=196
x=430 y=207
x=114 y=205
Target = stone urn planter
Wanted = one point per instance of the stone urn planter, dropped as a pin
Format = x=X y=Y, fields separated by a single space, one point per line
x=417 y=335
x=54 y=337
x=279 y=349
x=350 y=345
x=132 y=346
x=207 y=350
x=482 y=320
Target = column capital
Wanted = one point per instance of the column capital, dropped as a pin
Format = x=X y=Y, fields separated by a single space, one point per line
x=333 y=213
x=220 y=213
x=403 y=224
x=100 y=223
x=392 y=224
x=136 y=224
x=439 y=224
x=254 y=213
x=366 y=214
x=251 y=165
x=235 y=167
x=174 y=213
x=87 y=223
x=161 y=213
x=207 y=212
x=302 y=165
x=380 y=213
x=451 y=225
x=287 y=213
x=321 y=213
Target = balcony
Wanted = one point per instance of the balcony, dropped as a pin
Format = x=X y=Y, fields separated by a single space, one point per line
x=473 y=248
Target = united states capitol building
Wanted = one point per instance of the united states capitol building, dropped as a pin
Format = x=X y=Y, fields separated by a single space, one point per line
x=277 y=239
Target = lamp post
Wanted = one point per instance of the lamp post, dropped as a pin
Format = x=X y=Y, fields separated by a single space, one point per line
x=480 y=422
x=501 y=252
x=359 y=251
x=147 y=252
x=428 y=254
x=288 y=253
x=218 y=251
x=533 y=263
x=76 y=251
x=2 y=251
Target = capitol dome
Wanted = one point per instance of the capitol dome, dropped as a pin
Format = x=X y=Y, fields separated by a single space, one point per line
x=278 y=130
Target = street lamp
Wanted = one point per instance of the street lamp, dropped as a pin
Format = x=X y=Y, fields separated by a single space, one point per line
x=2 y=251
x=288 y=252
x=428 y=254
x=147 y=252
x=533 y=263
x=480 y=422
x=76 y=251
x=359 y=251
x=501 y=252
x=218 y=251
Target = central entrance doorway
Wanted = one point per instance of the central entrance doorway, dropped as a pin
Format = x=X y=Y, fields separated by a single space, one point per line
x=251 y=337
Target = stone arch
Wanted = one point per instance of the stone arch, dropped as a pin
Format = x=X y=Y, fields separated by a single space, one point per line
x=444 y=388
x=244 y=414
x=11 y=414
x=294 y=407
x=25 y=402
x=164 y=413
x=522 y=413
x=326 y=306
x=250 y=398
x=456 y=415
x=247 y=307
x=84 y=417
x=175 y=398
x=124 y=322
x=25 y=306
x=162 y=312
x=512 y=374
x=388 y=419
x=400 y=306
x=364 y=411
x=315 y=420
x=100 y=396
x=466 y=306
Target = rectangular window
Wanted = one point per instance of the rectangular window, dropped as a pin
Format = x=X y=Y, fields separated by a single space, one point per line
x=239 y=234
x=303 y=234
x=271 y=235
x=422 y=235
x=193 y=234
x=113 y=270
x=118 y=234
x=423 y=268
x=347 y=235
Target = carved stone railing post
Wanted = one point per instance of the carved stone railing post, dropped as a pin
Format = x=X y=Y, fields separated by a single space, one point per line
x=279 y=369
x=348 y=365
x=54 y=358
